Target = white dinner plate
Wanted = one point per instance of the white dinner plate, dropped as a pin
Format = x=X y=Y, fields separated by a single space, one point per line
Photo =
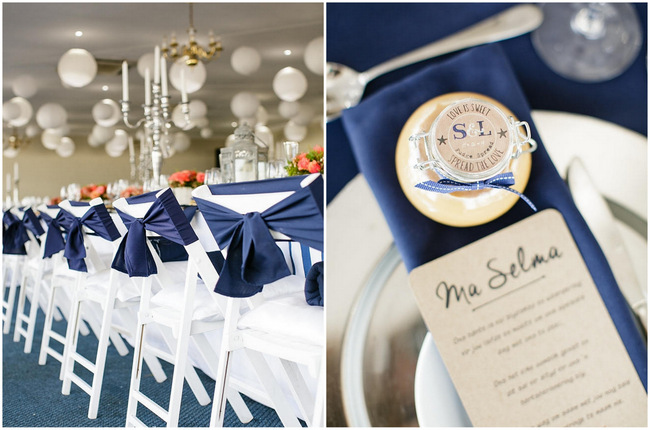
x=359 y=250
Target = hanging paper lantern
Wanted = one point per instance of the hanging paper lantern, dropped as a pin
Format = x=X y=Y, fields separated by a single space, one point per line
x=106 y=113
x=51 y=115
x=244 y=105
x=245 y=60
x=314 y=56
x=32 y=130
x=305 y=115
x=51 y=138
x=10 y=152
x=147 y=61
x=288 y=109
x=198 y=109
x=94 y=141
x=206 y=133
x=64 y=130
x=230 y=140
x=181 y=142
x=194 y=76
x=10 y=111
x=66 y=147
x=24 y=86
x=112 y=151
x=295 y=132
x=290 y=84
x=120 y=140
x=77 y=68
x=25 y=111
x=200 y=122
x=103 y=134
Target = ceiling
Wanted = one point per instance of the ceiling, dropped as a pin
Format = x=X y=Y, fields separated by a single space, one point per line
x=35 y=35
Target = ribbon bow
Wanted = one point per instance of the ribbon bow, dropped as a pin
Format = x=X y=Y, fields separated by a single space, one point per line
x=32 y=223
x=54 y=237
x=502 y=181
x=165 y=217
x=96 y=219
x=14 y=235
x=253 y=258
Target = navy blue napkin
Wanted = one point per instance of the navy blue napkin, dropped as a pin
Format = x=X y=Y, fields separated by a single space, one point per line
x=314 y=283
x=374 y=127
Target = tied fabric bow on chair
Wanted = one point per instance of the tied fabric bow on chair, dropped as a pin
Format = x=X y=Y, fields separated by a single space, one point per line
x=54 y=241
x=14 y=235
x=253 y=258
x=32 y=223
x=164 y=217
x=96 y=219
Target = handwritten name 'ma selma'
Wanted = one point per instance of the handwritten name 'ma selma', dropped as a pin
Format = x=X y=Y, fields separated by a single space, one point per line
x=451 y=293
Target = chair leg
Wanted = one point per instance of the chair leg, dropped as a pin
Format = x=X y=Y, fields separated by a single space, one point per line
x=33 y=311
x=71 y=338
x=136 y=373
x=280 y=404
x=222 y=379
x=319 y=403
x=299 y=389
x=47 y=327
x=20 y=310
x=12 y=296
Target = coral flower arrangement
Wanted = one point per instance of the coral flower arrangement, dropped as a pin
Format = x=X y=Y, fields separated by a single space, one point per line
x=306 y=162
x=92 y=191
x=186 y=178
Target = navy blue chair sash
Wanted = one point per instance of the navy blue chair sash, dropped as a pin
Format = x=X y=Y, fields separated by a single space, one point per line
x=165 y=217
x=14 y=235
x=54 y=241
x=30 y=219
x=253 y=258
x=97 y=219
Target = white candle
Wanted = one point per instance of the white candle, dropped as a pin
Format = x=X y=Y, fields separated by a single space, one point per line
x=125 y=81
x=147 y=87
x=163 y=83
x=8 y=183
x=16 y=172
x=156 y=67
x=183 y=90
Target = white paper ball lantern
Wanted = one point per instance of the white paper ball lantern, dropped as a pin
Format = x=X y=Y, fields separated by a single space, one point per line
x=32 y=130
x=305 y=115
x=77 y=68
x=147 y=61
x=262 y=115
x=289 y=109
x=10 y=111
x=113 y=152
x=179 y=119
x=64 y=130
x=245 y=60
x=314 y=56
x=106 y=113
x=194 y=76
x=25 y=114
x=51 y=115
x=93 y=141
x=66 y=147
x=10 y=152
x=24 y=86
x=290 y=84
x=265 y=135
x=181 y=142
x=51 y=138
x=103 y=134
x=120 y=140
x=295 y=132
x=244 y=104
x=200 y=122
x=206 y=133
x=198 y=109
x=230 y=140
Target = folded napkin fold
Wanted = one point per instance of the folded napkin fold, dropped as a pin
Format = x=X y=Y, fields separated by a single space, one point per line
x=373 y=128
x=314 y=283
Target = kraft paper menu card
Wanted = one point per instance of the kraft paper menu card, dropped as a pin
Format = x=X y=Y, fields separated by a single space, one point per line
x=524 y=332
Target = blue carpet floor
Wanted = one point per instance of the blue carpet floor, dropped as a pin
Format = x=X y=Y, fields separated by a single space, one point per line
x=31 y=394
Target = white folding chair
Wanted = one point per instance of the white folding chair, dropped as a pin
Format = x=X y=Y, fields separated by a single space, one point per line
x=19 y=245
x=102 y=292
x=184 y=309
x=290 y=208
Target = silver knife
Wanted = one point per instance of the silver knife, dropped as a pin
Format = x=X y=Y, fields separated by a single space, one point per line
x=599 y=218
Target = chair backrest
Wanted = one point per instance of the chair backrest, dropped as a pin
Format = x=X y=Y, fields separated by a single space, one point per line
x=240 y=216
x=159 y=212
x=79 y=218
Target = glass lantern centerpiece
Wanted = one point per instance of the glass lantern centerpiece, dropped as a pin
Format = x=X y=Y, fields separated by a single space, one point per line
x=241 y=159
